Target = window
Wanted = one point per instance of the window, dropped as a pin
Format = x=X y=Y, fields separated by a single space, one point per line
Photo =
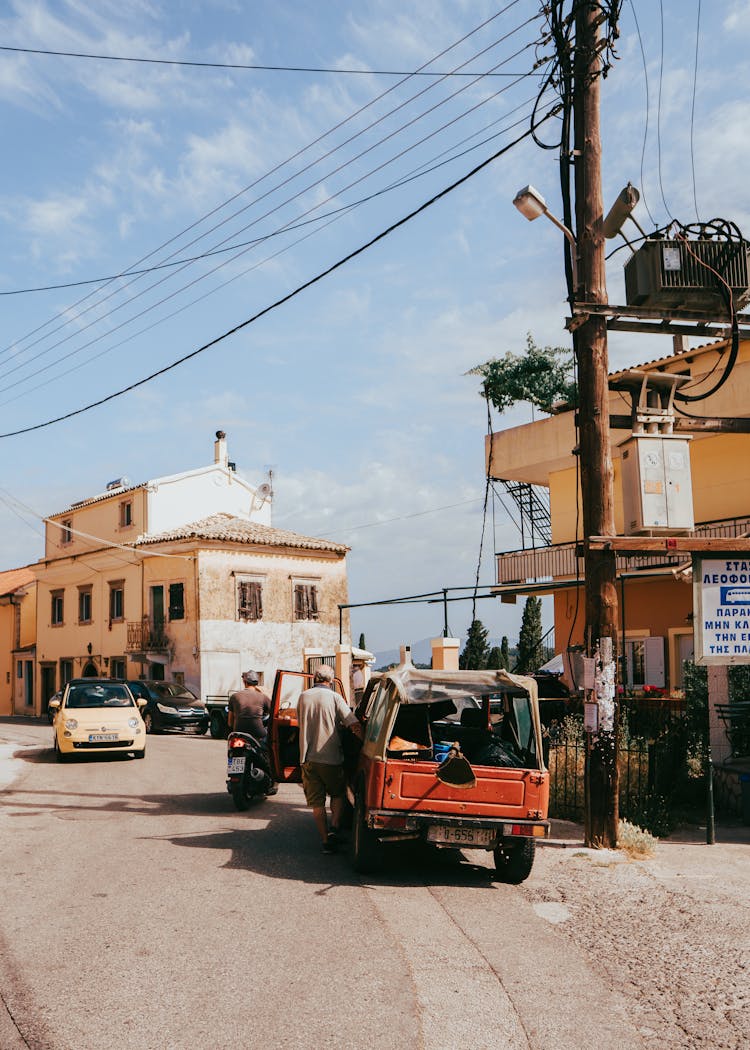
x=305 y=601
x=117 y=600
x=176 y=601
x=66 y=533
x=126 y=514
x=84 y=605
x=66 y=672
x=249 y=600
x=57 y=608
x=117 y=667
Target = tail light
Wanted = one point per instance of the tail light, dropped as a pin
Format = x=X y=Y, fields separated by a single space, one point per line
x=236 y=742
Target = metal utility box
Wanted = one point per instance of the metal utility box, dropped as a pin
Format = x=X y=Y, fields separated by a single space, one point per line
x=657 y=492
x=674 y=275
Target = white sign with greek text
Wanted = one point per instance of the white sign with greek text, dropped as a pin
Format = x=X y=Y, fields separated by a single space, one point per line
x=721 y=609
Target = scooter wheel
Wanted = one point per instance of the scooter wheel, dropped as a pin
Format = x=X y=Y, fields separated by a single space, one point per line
x=240 y=796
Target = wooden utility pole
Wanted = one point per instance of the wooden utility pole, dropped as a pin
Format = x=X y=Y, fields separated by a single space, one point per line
x=595 y=459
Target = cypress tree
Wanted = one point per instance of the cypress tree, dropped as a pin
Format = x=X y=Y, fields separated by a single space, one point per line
x=530 y=638
x=476 y=650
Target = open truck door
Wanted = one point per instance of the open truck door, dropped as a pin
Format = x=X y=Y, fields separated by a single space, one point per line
x=284 y=727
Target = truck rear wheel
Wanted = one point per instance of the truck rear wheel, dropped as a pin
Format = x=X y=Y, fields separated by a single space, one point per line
x=365 y=846
x=513 y=863
x=217 y=725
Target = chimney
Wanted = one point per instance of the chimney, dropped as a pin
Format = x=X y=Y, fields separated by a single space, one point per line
x=220 y=449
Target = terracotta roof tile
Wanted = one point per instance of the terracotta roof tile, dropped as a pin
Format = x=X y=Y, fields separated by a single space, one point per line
x=230 y=529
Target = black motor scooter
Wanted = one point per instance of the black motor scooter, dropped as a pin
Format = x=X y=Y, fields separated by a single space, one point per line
x=248 y=772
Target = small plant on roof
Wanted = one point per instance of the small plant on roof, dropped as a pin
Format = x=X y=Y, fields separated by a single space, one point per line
x=541 y=376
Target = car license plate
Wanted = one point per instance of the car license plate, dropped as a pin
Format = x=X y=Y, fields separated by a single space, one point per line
x=96 y=738
x=236 y=764
x=461 y=836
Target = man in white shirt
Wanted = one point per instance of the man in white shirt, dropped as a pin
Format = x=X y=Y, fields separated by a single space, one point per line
x=320 y=712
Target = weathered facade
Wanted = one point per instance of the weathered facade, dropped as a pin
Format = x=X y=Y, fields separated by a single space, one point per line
x=17 y=637
x=183 y=578
x=656 y=605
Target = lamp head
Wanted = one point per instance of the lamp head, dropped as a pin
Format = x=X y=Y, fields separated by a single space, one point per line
x=530 y=203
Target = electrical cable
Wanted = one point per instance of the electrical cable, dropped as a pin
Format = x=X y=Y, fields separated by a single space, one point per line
x=658 y=108
x=161 y=320
x=238 y=65
x=98 y=338
x=484 y=510
x=288 y=160
x=284 y=299
x=271 y=211
x=692 y=109
x=648 y=106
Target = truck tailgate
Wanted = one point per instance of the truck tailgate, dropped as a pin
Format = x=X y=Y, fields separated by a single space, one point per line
x=499 y=791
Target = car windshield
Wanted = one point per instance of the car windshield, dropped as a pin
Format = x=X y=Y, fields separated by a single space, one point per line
x=172 y=691
x=99 y=695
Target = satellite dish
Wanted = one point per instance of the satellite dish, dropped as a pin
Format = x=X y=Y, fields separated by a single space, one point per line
x=264 y=491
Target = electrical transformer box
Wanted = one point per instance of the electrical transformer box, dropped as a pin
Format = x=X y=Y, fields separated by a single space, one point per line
x=657 y=491
x=682 y=275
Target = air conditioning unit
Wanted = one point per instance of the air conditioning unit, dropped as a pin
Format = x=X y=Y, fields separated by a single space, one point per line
x=677 y=275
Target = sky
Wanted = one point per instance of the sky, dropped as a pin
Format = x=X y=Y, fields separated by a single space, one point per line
x=161 y=206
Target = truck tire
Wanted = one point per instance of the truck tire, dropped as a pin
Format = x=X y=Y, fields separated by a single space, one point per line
x=217 y=725
x=365 y=846
x=513 y=863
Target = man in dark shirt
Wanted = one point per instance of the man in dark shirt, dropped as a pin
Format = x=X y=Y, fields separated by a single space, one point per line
x=248 y=706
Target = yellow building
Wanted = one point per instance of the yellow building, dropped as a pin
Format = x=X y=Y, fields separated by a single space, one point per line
x=655 y=599
x=17 y=637
x=184 y=578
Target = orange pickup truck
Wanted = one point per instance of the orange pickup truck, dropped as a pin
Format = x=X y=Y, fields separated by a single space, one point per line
x=453 y=758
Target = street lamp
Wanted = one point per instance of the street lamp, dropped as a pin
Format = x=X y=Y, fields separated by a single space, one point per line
x=532 y=204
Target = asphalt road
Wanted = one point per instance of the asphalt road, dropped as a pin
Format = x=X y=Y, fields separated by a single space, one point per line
x=140 y=911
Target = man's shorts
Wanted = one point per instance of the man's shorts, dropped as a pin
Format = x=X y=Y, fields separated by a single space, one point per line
x=319 y=780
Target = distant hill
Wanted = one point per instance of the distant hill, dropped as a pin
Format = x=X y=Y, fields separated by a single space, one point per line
x=421 y=652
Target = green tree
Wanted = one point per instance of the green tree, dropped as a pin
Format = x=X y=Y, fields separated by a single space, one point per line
x=505 y=652
x=494 y=659
x=476 y=650
x=530 y=638
x=541 y=376
x=362 y=641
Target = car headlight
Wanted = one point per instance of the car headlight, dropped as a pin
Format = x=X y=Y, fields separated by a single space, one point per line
x=71 y=723
x=165 y=710
x=133 y=723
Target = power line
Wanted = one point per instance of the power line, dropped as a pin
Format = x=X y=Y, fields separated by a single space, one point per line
x=335 y=217
x=692 y=108
x=23 y=364
x=247 y=65
x=290 y=295
x=298 y=153
x=71 y=318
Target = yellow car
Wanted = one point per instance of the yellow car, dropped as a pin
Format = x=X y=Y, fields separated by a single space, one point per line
x=97 y=715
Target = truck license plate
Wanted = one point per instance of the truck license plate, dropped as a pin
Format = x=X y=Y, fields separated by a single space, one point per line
x=236 y=764
x=461 y=836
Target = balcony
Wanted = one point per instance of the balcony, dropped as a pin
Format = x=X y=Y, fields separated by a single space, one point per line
x=558 y=562
x=146 y=636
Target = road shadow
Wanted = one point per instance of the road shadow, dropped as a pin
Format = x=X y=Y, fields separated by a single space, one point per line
x=288 y=848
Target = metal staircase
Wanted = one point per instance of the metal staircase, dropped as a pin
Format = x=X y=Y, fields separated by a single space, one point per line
x=533 y=504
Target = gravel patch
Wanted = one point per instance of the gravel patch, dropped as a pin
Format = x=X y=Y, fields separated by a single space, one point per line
x=670 y=933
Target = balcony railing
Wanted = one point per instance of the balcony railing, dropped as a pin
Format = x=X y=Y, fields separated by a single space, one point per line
x=559 y=561
x=146 y=636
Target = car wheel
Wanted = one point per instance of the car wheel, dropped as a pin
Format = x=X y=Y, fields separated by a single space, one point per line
x=513 y=863
x=149 y=722
x=202 y=729
x=365 y=845
x=216 y=725
x=61 y=756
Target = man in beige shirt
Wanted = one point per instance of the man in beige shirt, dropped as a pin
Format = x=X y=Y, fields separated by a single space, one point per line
x=320 y=712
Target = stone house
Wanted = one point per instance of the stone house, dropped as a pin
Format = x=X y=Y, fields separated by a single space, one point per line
x=183 y=577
